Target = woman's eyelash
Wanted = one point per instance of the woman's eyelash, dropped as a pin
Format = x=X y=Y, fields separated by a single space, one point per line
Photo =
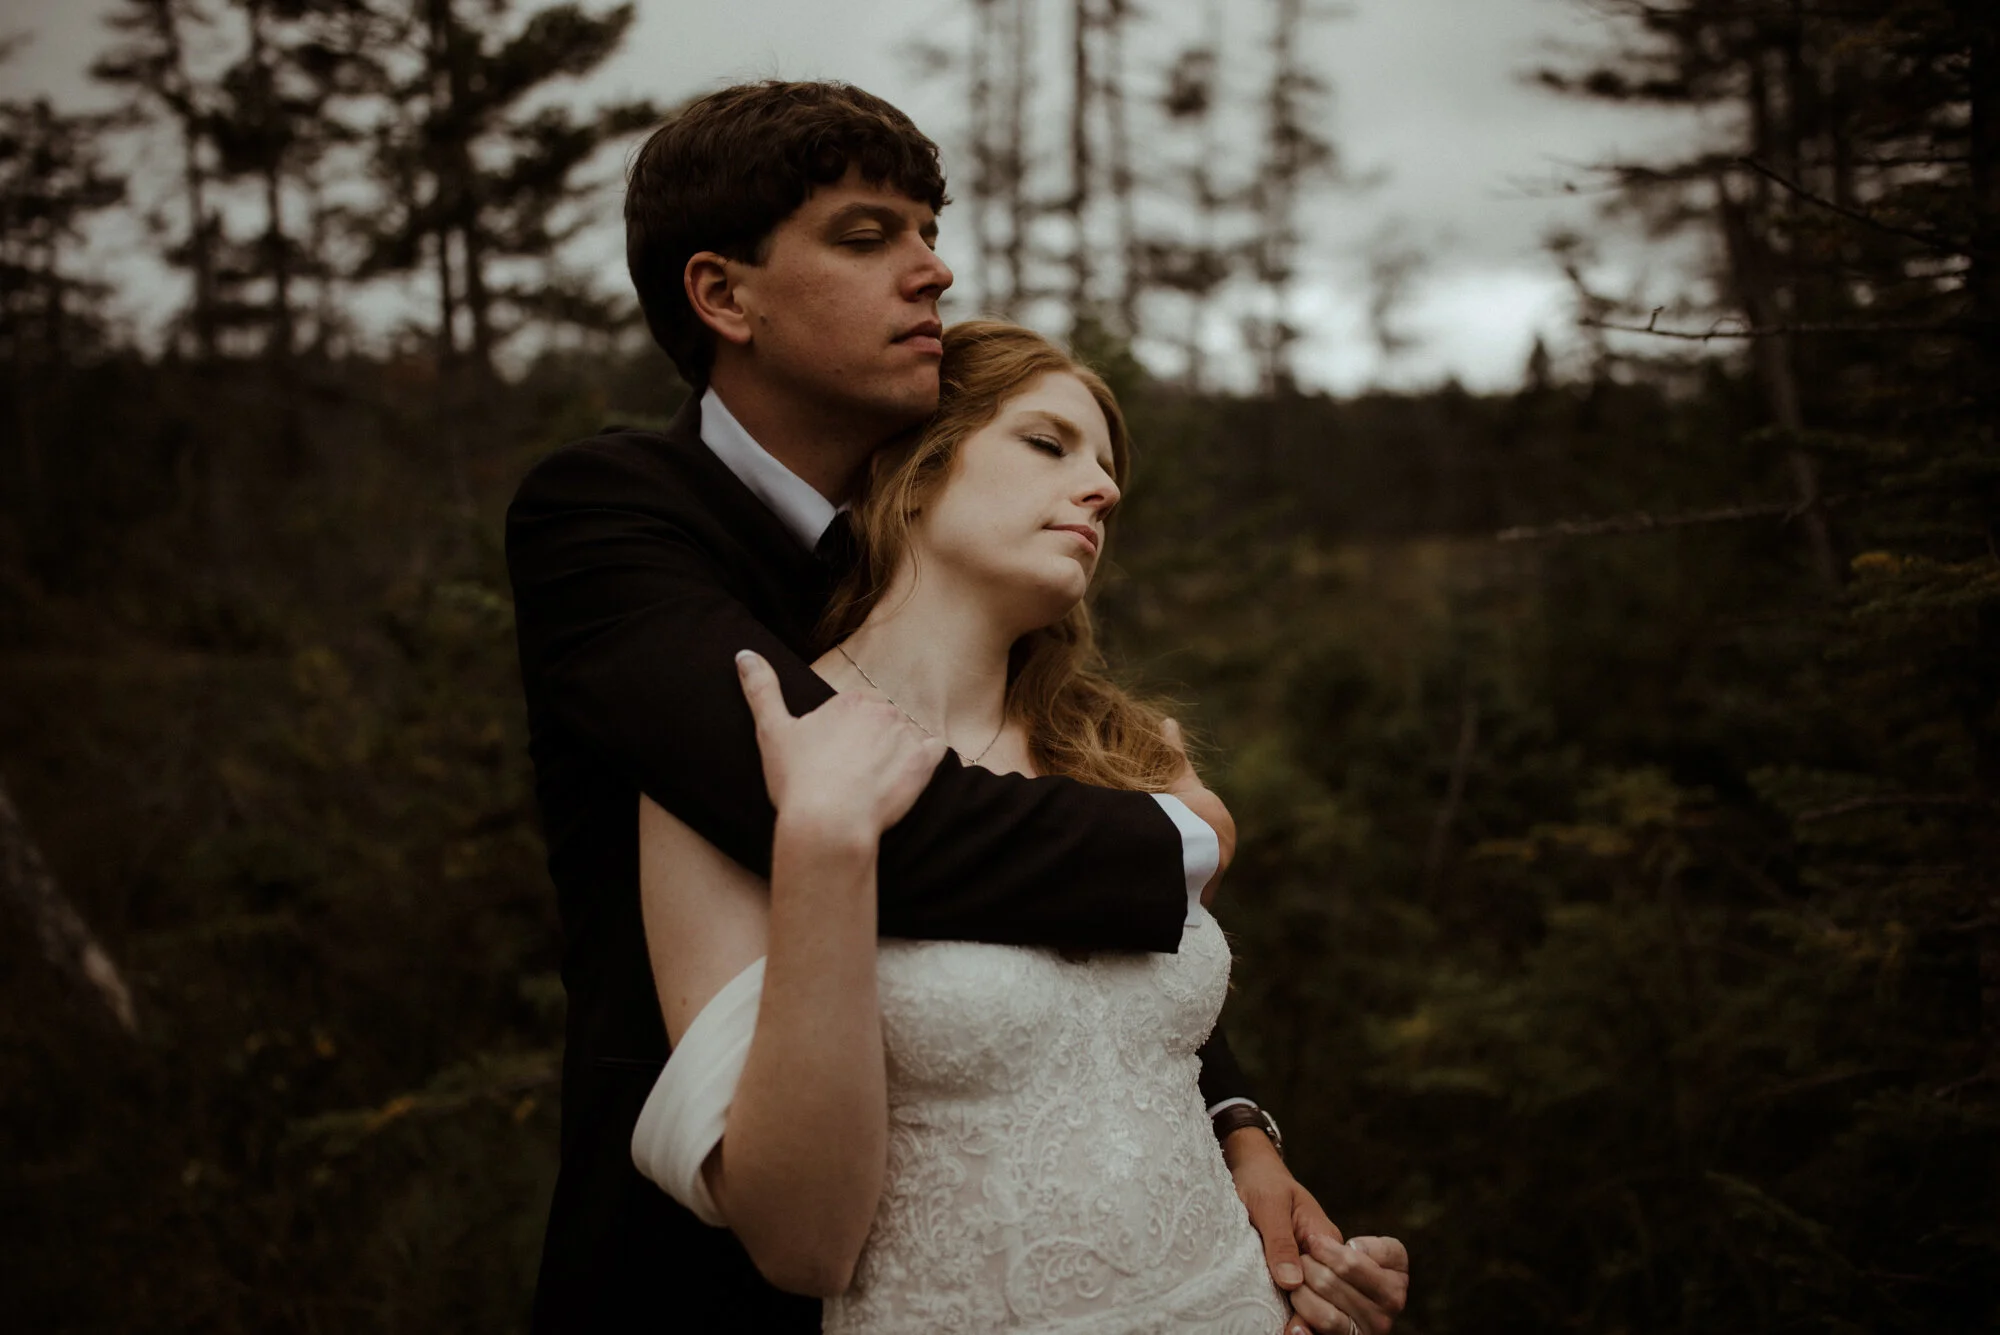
x=1047 y=443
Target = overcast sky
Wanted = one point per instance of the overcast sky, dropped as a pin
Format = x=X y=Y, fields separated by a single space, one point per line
x=1432 y=93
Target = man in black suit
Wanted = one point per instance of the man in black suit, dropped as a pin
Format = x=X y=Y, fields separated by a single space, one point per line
x=780 y=237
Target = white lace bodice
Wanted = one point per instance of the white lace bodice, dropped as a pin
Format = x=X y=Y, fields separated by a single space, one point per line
x=1051 y=1166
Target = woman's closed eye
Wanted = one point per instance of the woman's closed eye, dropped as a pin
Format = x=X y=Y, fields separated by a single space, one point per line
x=1046 y=444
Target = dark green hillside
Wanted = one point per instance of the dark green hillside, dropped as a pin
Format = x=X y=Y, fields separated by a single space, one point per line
x=1617 y=760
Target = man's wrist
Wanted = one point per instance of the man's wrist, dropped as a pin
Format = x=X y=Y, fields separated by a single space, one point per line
x=1245 y=1148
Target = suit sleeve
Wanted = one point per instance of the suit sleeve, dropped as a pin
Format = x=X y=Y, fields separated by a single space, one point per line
x=628 y=638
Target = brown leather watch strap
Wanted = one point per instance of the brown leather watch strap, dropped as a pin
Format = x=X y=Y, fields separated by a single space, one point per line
x=1237 y=1116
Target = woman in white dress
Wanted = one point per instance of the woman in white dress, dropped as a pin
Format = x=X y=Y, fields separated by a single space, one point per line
x=950 y=1136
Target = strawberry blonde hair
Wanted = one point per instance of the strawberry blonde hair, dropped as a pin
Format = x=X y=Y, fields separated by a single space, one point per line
x=1079 y=722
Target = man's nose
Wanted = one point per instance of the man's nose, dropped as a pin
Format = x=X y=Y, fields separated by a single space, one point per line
x=929 y=276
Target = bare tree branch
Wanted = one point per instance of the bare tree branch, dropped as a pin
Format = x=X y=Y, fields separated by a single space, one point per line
x=1877 y=801
x=66 y=940
x=1454 y=795
x=1922 y=238
x=1748 y=331
x=481 y=1080
x=1642 y=522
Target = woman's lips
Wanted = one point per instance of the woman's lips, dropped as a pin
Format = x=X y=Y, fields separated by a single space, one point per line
x=1086 y=535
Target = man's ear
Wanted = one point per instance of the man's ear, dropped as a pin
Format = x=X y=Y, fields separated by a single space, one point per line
x=711 y=291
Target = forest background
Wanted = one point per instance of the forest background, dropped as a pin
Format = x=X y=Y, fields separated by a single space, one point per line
x=1617 y=758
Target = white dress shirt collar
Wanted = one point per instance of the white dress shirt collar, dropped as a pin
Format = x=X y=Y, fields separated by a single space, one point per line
x=795 y=501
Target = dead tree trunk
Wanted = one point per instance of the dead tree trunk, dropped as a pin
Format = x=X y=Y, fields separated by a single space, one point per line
x=1014 y=178
x=447 y=334
x=283 y=337
x=1083 y=95
x=982 y=143
x=443 y=208
x=1983 y=283
x=1761 y=292
x=66 y=940
x=459 y=185
x=1984 y=133
x=176 y=88
x=1454 y=792
x=1288 y=156
x=1749 y=276
x=1118 y=128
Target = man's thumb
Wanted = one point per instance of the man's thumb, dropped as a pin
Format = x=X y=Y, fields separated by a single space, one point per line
x=760 y=688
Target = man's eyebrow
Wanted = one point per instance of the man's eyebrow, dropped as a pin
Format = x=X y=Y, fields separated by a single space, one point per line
x=887 y=215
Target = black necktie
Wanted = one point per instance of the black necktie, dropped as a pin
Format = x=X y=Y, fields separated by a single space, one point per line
x=837 y=548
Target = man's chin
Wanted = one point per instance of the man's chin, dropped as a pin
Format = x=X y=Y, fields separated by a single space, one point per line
x=907 y=406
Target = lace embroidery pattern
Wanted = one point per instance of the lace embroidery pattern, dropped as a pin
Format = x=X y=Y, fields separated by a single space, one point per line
x=1051 y=1167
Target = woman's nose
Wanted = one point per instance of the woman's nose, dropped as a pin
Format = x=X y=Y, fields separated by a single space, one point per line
x=1102 y=492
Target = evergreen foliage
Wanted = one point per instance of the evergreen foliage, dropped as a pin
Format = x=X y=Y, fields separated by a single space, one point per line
x=1615 y=759
x=1619 y=913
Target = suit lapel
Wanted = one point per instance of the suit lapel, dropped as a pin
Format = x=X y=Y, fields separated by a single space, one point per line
x=799 y=581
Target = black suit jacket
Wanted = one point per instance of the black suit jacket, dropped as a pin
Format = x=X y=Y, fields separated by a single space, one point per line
x=640 y=566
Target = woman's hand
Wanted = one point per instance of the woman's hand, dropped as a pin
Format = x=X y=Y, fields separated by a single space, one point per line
x=1359 y=1285
x=853 y=766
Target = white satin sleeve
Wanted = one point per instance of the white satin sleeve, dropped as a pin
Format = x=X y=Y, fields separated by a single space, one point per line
x=684 y=1116
x=1201 y=850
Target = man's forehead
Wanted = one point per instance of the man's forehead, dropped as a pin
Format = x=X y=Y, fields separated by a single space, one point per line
x=853 y=190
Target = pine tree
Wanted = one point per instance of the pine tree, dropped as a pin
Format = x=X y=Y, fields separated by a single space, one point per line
x=277 y=121
x=1806 y=930
x=53 y=179
x=152 y=64
x=479 y=182
x=1296 y=152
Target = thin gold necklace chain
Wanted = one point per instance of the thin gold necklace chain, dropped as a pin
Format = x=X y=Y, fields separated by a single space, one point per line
x=912 y=717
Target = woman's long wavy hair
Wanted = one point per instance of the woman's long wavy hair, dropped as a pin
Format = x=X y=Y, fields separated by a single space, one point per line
x=1079 y=722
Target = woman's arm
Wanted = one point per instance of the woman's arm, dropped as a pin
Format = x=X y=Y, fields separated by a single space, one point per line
x=799 y=1168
